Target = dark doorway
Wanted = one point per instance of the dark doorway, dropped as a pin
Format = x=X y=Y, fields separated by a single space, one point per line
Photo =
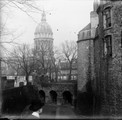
x=53 y=96
x=42 y=95
x=67 y=97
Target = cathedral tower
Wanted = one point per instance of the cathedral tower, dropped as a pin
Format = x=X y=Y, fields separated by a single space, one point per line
x=43 y=36
x=43 y=45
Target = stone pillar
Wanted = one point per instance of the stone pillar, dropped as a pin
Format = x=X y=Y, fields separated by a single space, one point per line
x=59 y=99
x=74 y=101
x=47 y=99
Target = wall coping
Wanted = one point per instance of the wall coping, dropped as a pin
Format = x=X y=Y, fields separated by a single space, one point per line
x=85 y=39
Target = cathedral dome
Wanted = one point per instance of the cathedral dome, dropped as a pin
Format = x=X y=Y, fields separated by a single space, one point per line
x=43 y=29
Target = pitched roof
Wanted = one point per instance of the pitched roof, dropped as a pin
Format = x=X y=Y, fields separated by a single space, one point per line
x=87 y=27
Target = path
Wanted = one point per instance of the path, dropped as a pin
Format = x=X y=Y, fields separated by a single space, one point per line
x=58 y=111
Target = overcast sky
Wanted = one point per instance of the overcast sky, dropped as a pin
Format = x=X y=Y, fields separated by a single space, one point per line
x=67 y=18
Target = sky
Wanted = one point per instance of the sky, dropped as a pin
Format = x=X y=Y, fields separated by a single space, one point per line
x=66 y=18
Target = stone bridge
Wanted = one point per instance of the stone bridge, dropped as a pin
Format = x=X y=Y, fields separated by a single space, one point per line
x=66 y=90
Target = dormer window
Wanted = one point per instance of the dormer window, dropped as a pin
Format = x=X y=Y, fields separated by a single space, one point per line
x=107 y=17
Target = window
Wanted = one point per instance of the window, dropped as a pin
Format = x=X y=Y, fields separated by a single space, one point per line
x=104 y=48
x=107 y=46
x=107 y=17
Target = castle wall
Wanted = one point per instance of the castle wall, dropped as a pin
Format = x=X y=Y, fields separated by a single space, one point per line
x=86 y=52
x=109 y=72
x=83 y=62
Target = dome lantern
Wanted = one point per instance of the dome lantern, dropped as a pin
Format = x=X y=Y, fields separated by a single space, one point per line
x=43 y=16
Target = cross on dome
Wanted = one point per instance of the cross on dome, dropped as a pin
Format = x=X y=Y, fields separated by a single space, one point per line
x=43 y=16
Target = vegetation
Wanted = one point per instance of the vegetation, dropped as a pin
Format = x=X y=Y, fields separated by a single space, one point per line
x=69 y=53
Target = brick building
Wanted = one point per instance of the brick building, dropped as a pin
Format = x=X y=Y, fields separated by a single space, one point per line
x=102 y=62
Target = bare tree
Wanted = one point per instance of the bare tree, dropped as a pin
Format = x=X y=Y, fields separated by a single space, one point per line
x=27 y=7
x=69 y=53
x=42 y=56
x=22 y=57
x=47 y=60
x=55 y=59
x=12 y=63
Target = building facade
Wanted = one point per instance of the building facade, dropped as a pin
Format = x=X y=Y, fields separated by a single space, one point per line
x=108 y=64
x=64 y=71
x=106 y=58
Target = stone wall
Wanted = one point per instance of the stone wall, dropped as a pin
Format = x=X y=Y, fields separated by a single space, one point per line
x=86 y=66
x=59 y=88
x=105 y=72
x=86 y=52
x=108 y=70
x=83 y=62
x=16 y=99
x=115 y=65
